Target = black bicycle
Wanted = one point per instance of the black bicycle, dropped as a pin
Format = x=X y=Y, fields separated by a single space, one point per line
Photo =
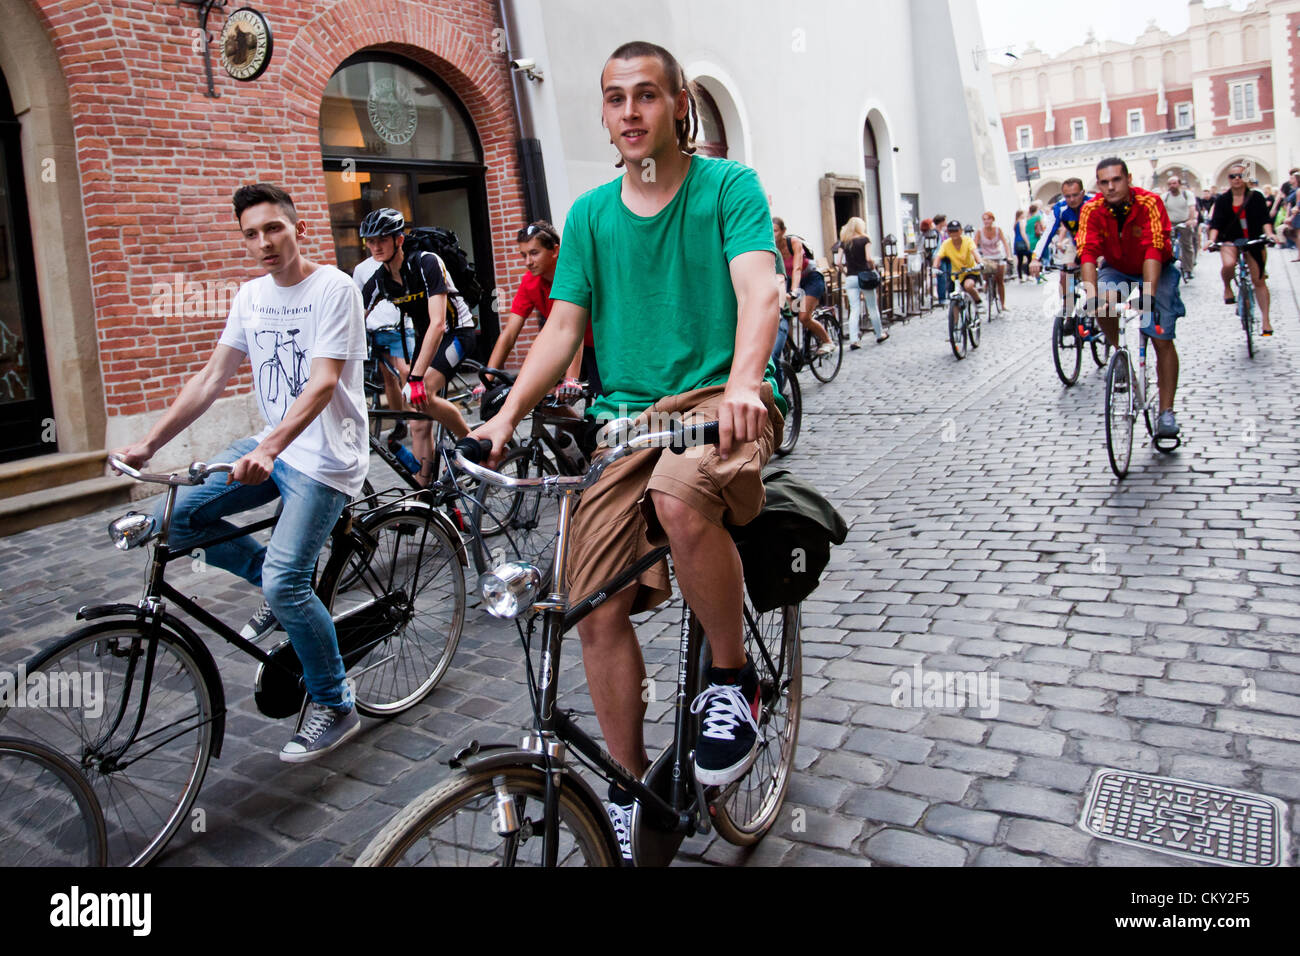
x=804 y=350
x=1067 y=329
x=1245 y=287
x=161 y=713
x=49 y=815
x=963 y=315
x=512 y=805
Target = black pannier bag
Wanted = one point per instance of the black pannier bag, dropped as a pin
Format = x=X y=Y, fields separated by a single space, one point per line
x=785 y=549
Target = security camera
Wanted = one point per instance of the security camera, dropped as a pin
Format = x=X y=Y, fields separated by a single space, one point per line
x=528 y=68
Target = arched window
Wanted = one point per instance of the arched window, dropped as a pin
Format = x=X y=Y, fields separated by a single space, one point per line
x=1169 y=68
x=1080 y=84
x=393 y=134
x=1216 y=49
x=1249 y=44
x=1017 y=95
x=712 y=140
x=1108 y=77
x=1139 y=75
x=1042 y=89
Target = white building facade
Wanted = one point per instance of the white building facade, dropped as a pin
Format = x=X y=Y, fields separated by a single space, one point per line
x=877 y=109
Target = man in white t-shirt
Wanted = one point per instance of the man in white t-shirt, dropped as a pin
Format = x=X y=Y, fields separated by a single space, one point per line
x=1181 y=206
x=301 y=328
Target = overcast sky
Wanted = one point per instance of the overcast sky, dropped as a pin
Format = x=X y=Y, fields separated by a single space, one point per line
x=1056 y=27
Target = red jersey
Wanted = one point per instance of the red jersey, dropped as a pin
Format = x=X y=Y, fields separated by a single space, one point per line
x=534 y=295
x=1143 y=235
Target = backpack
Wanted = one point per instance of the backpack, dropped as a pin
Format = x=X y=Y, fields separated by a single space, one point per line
x=446 y=246
x=785 y=549
x=807 y=249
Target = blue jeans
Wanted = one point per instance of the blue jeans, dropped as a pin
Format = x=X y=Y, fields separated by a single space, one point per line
x=943 y=280
x=283 y=569
x=1157 y=323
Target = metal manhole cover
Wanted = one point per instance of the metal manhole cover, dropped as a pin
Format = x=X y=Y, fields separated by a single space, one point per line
x=1185 y=818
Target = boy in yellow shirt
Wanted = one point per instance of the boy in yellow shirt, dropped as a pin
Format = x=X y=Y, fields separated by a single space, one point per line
x=965 y=259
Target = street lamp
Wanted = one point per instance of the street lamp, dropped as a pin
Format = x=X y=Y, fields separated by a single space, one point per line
x=1154 y=159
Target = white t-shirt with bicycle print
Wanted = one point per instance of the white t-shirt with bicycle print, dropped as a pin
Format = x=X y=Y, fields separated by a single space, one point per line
x=281 y=329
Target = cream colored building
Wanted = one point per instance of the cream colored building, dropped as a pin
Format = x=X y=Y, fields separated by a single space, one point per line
x=1223 y=91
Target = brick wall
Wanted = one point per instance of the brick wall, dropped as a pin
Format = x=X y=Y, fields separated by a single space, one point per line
x=1119 y=107
x=158 y=159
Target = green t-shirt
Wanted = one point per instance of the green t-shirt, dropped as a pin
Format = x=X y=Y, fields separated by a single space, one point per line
x=1034 y=229
x=658 y=288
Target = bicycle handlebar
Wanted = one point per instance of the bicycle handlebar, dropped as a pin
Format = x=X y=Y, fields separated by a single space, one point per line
x=196 y=475
x=470 y=452
x=1241 y=243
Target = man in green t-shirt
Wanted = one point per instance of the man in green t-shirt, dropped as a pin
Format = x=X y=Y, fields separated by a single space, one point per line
x=672 y=263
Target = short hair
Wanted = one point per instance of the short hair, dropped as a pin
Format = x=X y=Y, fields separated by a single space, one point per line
x=542 y=231
x=1033 y=208
x=779 y=223
x=1113 y=161
x=939 y=217
x=689 y=126
x=258 y=193
x=989 y=213
x=1072 y=181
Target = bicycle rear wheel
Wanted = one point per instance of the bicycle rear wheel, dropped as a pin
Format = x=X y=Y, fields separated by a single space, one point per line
x=1100 y=347
x=793 y=395
x=49 y=815
x=146 y=791
x=1067 y=349
x=826 y=367
x=456 y=824
x=401 y=613
x=956 y=329
x=746 y=810
x=1119 y=413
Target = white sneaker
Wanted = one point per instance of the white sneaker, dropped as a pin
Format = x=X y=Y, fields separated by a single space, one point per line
x=621 y=818
x=826 y=348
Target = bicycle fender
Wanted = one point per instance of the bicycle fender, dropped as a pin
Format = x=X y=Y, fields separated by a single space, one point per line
x=414 y=507
x=504 y=756
x=184 y=635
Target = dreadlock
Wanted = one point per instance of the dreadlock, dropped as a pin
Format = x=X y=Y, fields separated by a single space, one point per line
x=689 y=126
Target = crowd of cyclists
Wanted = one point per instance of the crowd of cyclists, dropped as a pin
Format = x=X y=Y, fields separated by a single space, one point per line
x=699 y=344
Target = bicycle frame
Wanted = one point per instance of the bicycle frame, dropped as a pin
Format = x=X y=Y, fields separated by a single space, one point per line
x=555 y=730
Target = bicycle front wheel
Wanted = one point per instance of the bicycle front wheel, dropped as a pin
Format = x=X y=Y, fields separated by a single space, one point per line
x=826 y=367
x=1067 y=350
x=1245 y=307
x=793 y=395
x=400 y=615
x=956 y=330
x=49 y=815
x=530 y=521
x=1119 y=413
x=146 y=780
x=456 y=824
x=973 y=325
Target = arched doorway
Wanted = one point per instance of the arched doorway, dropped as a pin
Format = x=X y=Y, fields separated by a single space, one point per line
x=393 y=134
x=26 y=409
x=871 y=161
x=713 y=131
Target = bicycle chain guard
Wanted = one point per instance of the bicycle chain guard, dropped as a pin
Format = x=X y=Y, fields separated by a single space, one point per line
x=652 y=845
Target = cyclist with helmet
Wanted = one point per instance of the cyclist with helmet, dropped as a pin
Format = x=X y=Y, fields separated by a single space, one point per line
x=444 y=327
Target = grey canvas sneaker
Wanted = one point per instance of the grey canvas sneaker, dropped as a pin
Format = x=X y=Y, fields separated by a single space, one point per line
x=321 y=729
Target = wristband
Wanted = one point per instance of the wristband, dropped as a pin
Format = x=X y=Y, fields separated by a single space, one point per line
x=415 y=378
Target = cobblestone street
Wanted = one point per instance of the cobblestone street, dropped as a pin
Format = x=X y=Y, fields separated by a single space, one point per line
x=1151 y=624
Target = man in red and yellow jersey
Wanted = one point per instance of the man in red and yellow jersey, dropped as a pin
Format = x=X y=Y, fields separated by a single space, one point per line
x=1129 y=229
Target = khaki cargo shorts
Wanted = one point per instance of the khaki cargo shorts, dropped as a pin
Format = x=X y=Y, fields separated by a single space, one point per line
x=615 y=522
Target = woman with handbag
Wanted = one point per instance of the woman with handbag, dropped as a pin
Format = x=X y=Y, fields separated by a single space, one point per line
x=861 y=281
